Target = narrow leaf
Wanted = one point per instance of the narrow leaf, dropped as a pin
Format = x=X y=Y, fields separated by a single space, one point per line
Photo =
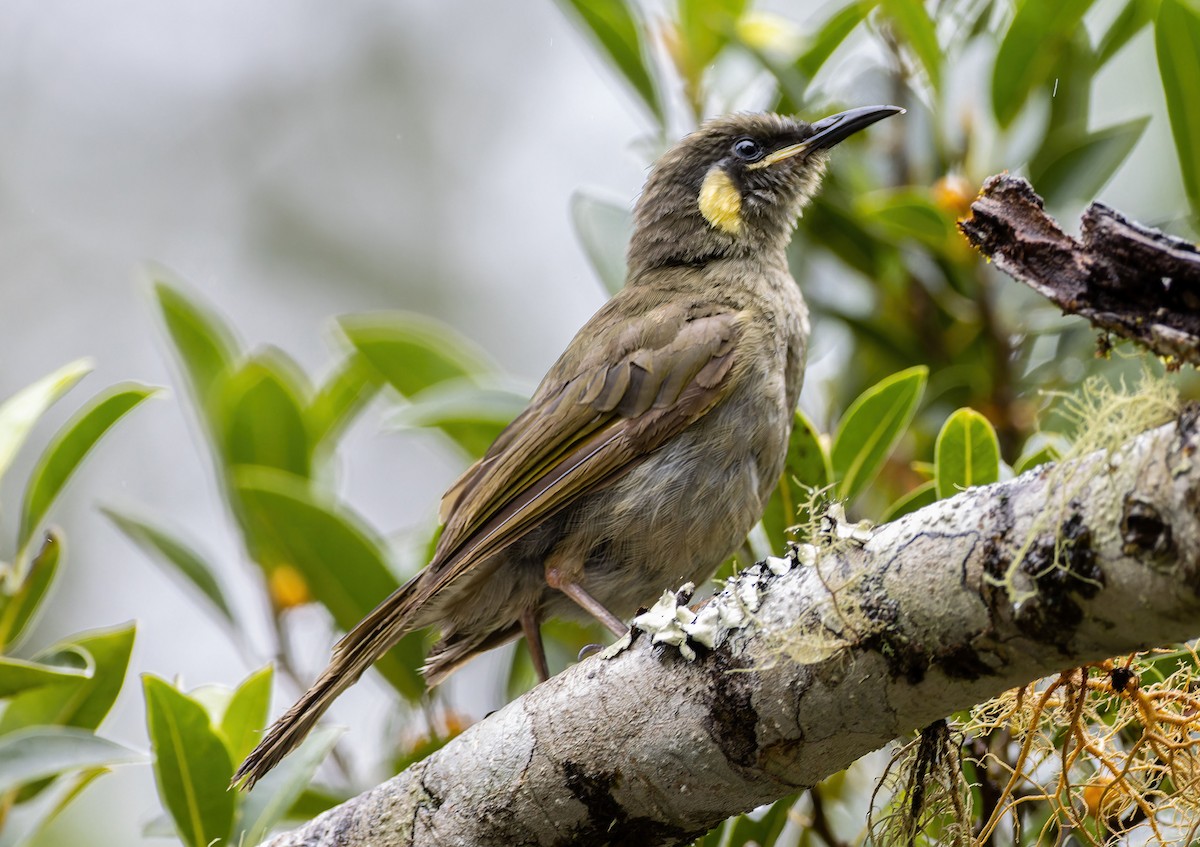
x=18 y=675
x=967 y=453
x=19 y=608
x=1077 y=169
x=1029 y=52
x=341 y=396
x=471 y=415
x=604 y=229
x=176 y=555
x=279 y=790
x=259 y=413
x=412 y=352
x=43 y=752
x=343 y=563
x=1044 y=455
x=21 y=412
x=1131 y=20
x=871 y=428
x=68 y=448
x=830 y=36
x=918 y=498
x=204 y=343
x=81 y=702
x=191 y=765
x=246 y=714
x=1177 y=37
x=612 y=24
x=807 y=468
x=912 y=22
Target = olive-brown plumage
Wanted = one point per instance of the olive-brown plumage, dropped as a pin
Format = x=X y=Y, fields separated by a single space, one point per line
x=650 y=448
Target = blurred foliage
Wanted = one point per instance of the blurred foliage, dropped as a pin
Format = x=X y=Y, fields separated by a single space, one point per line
x=944 y=373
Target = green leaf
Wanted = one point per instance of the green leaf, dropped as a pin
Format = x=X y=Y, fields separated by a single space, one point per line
x=81 y=702
x=967 y=453
x=344 y=564
x=704 y=28
x=604 y=229
x=912 y=22
x=918 y=498
x=907 y=214
x=761 y=828
x=178 y=556
x=612 y=24
x=245 y=715
x=70 y=790
x=412 y=352
x=871 y=428
x=313 y=801
x=68 y=448
x=204 y=343
x=261 y=414
x=1078 y=168
x=43 y=752
x=19 y=608
x=471 y=415
x=1029 y=52
x=345 y=391
x=830 y=36
x=1135 y=15
x=1177 y=37
x=17 y=675
x=279 y=790
x=807 y=466
x=191 y=765
x=1043 y=455
x=19 y=413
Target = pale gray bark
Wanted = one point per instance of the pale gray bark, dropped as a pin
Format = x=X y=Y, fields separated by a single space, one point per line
x=841 y=656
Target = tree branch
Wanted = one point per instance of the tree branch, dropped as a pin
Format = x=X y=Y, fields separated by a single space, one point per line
x=1123 y=277
x=935 y=612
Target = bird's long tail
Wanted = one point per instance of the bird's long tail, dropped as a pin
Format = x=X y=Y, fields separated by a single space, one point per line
x=360 y=648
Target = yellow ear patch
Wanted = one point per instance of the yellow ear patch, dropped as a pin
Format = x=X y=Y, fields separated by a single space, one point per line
x=720 y=202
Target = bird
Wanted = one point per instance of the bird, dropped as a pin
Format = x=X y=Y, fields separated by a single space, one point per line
x=650 y=448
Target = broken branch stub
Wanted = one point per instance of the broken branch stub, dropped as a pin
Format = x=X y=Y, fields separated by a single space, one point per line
x=1126 y=278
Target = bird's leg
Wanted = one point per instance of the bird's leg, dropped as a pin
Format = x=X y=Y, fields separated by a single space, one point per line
x=564 y=574
x=533 y=640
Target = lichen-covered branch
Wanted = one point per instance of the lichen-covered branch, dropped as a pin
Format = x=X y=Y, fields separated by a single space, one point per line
x=1125 y=278
x=874 y=634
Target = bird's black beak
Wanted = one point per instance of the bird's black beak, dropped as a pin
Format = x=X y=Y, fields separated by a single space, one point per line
x=829 y=131
x=836 y=128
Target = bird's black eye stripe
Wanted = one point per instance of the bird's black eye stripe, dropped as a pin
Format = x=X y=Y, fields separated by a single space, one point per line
x=748 y=150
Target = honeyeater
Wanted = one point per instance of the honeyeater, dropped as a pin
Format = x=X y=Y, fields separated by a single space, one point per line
x=649 y=450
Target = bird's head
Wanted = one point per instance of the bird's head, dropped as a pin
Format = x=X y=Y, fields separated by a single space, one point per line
x=736 y=186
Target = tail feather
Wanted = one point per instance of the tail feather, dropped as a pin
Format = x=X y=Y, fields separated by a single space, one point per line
x=358 y=650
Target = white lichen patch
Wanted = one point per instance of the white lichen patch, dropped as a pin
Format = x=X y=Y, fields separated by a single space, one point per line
x=835 y=527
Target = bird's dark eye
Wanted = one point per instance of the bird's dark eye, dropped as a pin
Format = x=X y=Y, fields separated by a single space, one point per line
x=748 y=150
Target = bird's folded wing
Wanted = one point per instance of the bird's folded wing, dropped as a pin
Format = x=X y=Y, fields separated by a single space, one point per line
x=587 y=429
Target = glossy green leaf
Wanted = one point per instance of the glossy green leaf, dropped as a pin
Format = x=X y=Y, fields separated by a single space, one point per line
x=1080 y=167
x=83 y=701
x=19 y=413
x=204 y=343
x=18 y=675
x=920 y=497
x=604 y=229
x=830 y=36
x=411 y=352
x=279 y=790
x=43 y=752
x=70 y=789
x=245 y=715
x=471 y=415
x=967 y=453
x=1177 y=37
x=1132 y=18
x=68 y=448
x=871 y=428
x=343 y=562
x=807 y=467
x=612 y=24
x=20 y=607
x=176 y=555
x=1027 y=56
x=261 y=414
x=192 y=768
x=912 y=23
x=342 y=394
